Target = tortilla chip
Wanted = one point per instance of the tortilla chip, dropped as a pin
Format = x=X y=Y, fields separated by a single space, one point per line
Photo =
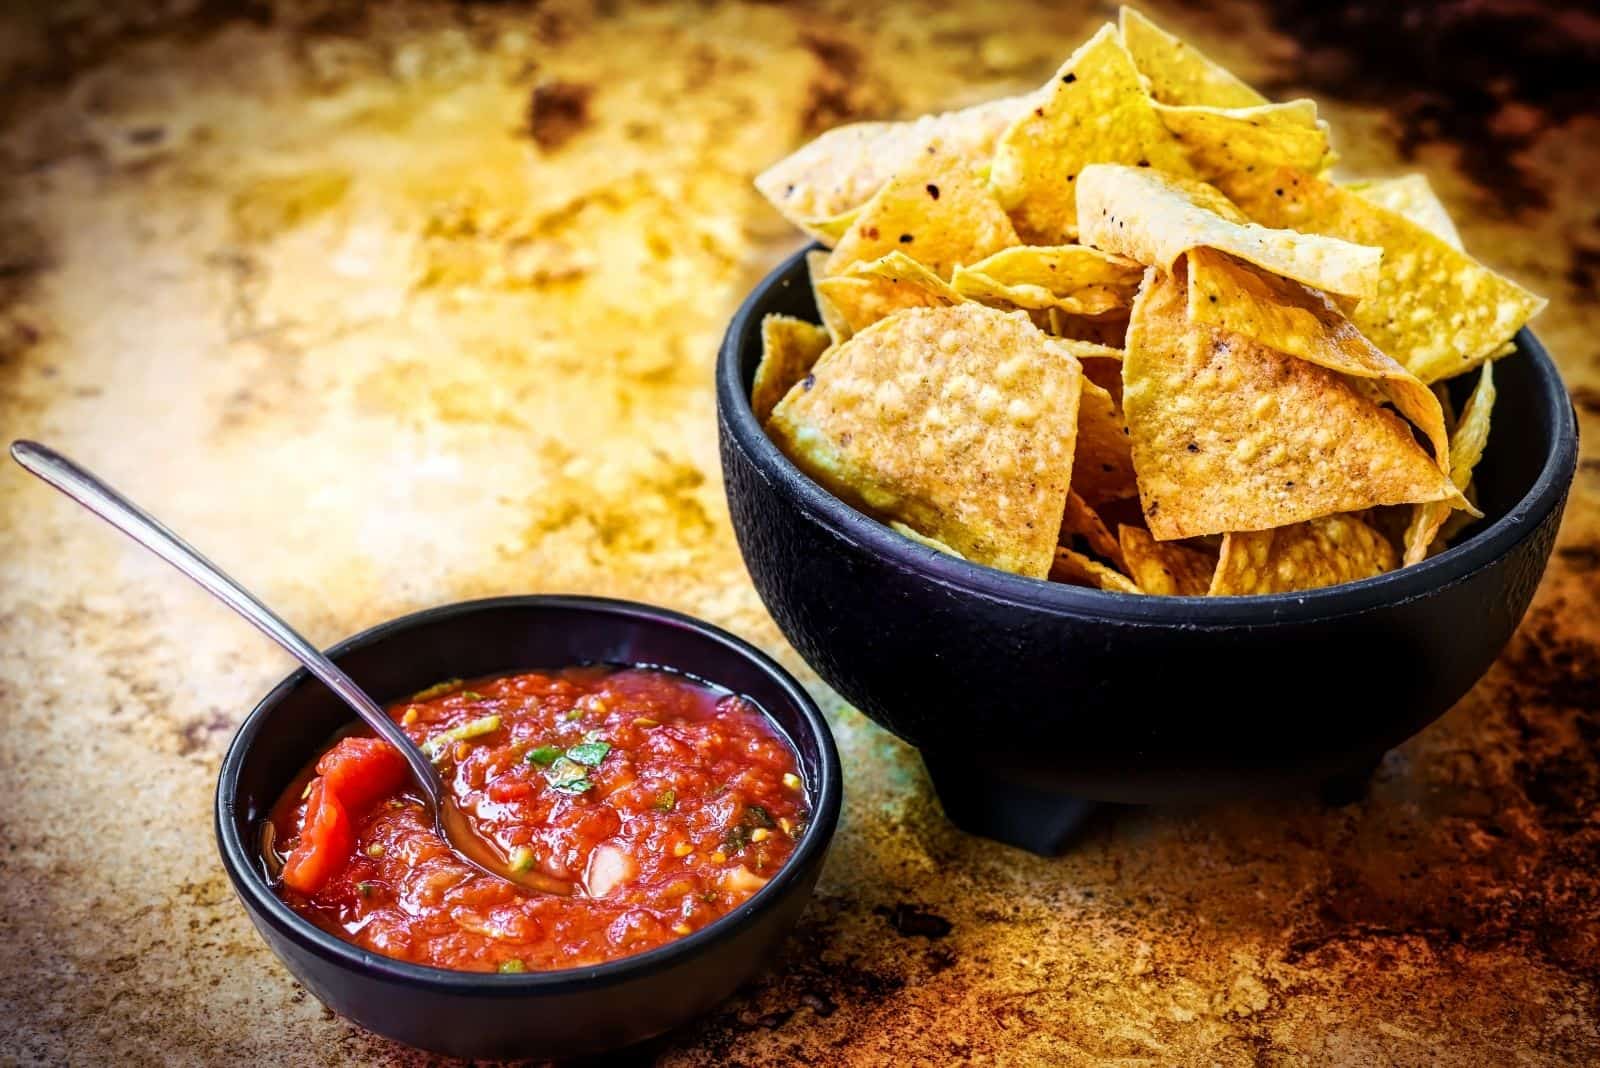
x=1156 y=218
x=1220 y=141
x=960 y=422
x=789 y=347
x=1230 y=435
x=1466 y=449
x=1324 y=551
x=935 y=211
x=1074 y=278
x=843 y=168
x=922 y=539
x=831 y=229
x=1435 y=309
x=1180 y=73
x=1102 y=469
x=833 y=318
x=867 y=292
x=1080 y=522
x=1094 y=110
x=1165 y=568
x=1289 y=317
x=1411 y=195
x=1076 y=569
x=1104 y=371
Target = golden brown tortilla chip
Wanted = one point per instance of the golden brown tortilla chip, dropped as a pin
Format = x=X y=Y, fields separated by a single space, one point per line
x=1155 y=218
x=1162 y=567
x=1180 y=73
x=1319 y=552
x=833 y=318
x=934 y=210
x=1108 y=331
x=1220 y=141
x=867 y=292
x=1467 y=443
x=1094 y=110
x=1284 y=315
x=1073 y=278
x=1412 y=195
x=1435 y=309
x=1076 y=569
x=789 y=347
x=843 y=168
x=1103 y=467
x=1230 y=435
x=922 y=539
x=1080 y=522
x=960 y=422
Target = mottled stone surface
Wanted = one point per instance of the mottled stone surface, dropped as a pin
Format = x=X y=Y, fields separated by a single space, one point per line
x=398 y=306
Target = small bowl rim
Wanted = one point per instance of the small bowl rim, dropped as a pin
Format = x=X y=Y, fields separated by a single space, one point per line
x=1456 y=564
x=260 y=900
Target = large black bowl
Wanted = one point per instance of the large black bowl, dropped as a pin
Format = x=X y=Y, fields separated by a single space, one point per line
x=1028 y=698
x=538 y=1014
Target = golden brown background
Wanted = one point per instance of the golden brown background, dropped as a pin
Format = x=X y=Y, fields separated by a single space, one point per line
x=398 y=304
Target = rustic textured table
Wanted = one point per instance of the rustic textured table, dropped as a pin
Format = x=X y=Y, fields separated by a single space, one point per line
x=413 y=303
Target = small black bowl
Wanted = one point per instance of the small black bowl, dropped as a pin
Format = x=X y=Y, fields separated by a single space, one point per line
x=567 y=1013
x=1029 y=699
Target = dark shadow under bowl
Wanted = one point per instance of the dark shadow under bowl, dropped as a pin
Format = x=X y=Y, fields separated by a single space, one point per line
x=1027 y=698
x=558 y=1014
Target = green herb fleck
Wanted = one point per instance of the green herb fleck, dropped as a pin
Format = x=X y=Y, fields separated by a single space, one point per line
x=568 y=776
x=436 y=746
x=666 y=800
x=366 y=889
x=543 y=756
x=576 y=713
x=438 y=689
x=757 y=816
x=520 y=860
x=589 y=753
x=472 y=695
x=512 y=966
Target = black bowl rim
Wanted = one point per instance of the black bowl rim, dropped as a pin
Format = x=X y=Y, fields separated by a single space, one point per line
x=239 y=860
x=1454 y=565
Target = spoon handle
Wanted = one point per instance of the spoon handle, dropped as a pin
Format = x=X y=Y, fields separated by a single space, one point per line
x=150 y=532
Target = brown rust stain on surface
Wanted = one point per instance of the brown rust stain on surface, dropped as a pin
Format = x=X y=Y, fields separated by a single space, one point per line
x=305 y=278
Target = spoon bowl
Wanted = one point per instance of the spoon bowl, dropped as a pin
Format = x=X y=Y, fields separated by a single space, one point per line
x=449 y=821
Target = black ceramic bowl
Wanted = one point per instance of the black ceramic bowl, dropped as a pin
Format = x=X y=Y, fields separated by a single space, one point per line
x=1027 y=698
x=558 y=1014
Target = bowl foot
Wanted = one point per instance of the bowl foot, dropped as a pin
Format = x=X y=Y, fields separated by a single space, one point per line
x=1006 y=808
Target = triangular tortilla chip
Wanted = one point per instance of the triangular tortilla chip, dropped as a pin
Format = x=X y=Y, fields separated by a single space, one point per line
x=1467 y=443
x=1163 y=567
x=1180 y=73
x=1223 y=140
x=1094 y=110
x=1320 y=552
x=1285 y=315
x=1082 y=523
x=1156 y=218
x=1076 y=569
x=1230 y=435
x=1412 y=195
x=922 y=539
x=1103 y=468
x=867 y=292
x=1075 y=278
x=960 y=422
x=934 y=210
x=833 y=318
x=789 y=347
x=1109 y=331
x=843 y=168
x=1435 y=309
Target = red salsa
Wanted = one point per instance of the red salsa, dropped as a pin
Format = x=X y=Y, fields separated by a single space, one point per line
x=663 y=802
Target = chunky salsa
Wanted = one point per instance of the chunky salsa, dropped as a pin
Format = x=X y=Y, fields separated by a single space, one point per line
x=664 y=803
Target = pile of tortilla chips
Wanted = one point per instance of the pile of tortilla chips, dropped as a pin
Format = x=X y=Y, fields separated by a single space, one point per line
x=1126 y=332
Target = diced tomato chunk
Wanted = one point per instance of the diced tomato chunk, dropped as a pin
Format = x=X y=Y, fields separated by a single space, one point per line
x=326 y=841
x=362 y=771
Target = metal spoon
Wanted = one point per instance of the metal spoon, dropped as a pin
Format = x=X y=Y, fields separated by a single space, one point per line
x=105 y=502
